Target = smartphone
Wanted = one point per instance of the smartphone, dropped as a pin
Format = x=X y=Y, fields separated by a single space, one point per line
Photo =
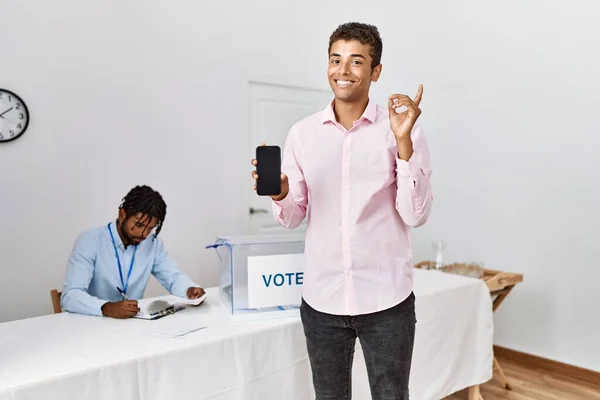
x=268 y=170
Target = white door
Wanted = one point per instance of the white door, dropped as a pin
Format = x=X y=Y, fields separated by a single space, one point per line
x=273 y=111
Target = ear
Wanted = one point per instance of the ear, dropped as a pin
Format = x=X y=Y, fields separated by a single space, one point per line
x=376 y=73
x=122 y=215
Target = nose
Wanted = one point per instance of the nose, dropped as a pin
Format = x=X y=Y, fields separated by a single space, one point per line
x=143 y=236
x=344 y=68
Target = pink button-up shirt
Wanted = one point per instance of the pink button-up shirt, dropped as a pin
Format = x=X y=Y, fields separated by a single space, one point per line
x=360 y=200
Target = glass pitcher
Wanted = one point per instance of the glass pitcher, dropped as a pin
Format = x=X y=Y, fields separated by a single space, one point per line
x=438 y=247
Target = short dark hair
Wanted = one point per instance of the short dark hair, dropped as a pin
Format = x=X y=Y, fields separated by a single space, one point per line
x=147 y=201
x=364 y=33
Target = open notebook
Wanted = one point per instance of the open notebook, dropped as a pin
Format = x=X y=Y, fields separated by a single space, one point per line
x=157 y=307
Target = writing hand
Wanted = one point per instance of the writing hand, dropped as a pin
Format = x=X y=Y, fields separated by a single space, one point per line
x=121 y=309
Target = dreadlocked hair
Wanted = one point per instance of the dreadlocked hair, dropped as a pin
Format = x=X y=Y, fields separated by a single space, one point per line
x=147 y=201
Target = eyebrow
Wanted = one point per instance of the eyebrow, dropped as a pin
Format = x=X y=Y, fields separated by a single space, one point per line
x=145 y=221
x=351 y=55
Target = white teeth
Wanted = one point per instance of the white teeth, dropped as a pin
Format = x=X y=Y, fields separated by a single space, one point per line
x=344 y=83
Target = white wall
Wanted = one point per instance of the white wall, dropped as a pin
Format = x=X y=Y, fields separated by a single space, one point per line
x=155 y=92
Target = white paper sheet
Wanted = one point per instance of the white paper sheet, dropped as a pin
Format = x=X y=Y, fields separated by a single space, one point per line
x=157 y=307
x=176 y=332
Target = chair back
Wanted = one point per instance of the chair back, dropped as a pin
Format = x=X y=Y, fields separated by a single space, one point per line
x=55 y=296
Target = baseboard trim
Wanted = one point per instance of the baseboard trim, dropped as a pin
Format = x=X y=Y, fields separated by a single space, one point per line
x=535 y=362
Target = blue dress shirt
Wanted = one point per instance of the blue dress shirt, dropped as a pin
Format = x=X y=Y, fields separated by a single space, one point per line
x=92 y=275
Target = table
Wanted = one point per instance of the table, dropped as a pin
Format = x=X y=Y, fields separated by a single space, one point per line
x=500 y=284
x=67 y=356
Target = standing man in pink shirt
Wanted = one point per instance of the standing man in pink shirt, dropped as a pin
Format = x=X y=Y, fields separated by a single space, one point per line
x=360 y=173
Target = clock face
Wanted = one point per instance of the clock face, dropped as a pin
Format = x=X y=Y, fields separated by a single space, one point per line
x=14 y=116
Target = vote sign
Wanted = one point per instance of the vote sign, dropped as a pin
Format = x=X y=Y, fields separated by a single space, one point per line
x=275 y=280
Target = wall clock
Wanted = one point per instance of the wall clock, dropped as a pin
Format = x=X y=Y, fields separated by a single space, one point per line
x=14 y=116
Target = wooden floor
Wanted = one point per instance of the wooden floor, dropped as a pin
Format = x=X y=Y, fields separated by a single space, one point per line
x=534 y=384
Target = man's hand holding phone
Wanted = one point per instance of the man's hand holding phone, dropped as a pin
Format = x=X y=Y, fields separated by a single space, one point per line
x=285 y=188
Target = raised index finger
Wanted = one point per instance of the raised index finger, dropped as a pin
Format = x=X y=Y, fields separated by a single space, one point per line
x=419 y=95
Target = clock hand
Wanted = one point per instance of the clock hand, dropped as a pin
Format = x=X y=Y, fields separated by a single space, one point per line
x=1 y=115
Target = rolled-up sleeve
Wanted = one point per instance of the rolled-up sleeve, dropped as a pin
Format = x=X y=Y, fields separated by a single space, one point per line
x=291 y=211
x=414 y=196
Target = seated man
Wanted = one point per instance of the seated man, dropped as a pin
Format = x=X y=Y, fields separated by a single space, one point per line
x=110 y=265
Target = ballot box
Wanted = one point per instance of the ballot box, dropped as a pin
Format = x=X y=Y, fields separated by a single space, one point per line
x=261 y=275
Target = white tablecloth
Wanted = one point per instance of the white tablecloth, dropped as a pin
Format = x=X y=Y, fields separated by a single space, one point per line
x=66 y=356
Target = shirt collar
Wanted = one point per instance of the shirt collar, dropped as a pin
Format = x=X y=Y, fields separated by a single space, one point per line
x=328 y=115
x=115 y=234
x=369 y=114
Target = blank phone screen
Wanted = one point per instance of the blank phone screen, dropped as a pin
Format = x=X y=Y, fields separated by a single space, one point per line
x=268 y=170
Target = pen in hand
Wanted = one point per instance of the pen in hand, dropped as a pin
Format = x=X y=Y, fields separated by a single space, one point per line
x=122 y=293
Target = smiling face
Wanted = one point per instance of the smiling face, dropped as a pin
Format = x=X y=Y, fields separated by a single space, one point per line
x=350 y=70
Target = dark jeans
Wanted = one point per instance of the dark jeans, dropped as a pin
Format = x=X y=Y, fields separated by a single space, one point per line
x=386 y=337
